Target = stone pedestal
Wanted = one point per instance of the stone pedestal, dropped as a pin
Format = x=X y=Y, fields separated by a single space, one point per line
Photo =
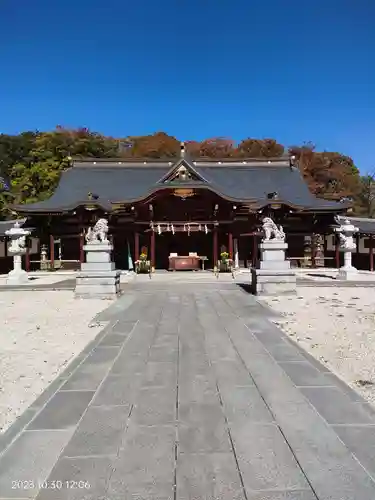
x=274 y=275
x=348 y=271
x=98 y=278
x=17 y=276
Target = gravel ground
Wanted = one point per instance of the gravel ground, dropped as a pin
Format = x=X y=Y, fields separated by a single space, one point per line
x=336 y=326
x=40 y=332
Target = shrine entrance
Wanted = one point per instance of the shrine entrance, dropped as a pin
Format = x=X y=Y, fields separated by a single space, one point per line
x=183 y=244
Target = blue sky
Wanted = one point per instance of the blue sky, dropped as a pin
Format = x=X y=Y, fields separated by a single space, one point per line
x=292 y=70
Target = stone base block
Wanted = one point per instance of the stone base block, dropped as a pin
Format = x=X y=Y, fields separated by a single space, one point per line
x=273 y=282
x=98 y=247
x=273 y=245
x=275 y=265
x=18 y=277
x=97 y=267
x=97 y=285
x=347 y=274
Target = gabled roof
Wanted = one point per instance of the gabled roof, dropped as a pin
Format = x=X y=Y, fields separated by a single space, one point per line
x=129 y=181
x=174 y=173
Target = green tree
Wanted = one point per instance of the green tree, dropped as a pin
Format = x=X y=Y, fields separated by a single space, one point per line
x=35 y=176
x=365 y=200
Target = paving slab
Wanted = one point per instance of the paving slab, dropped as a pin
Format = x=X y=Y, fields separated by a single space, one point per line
x=190 y=391
x=145 y=467
x=99 y=432
x=78 y=479
x=117 y=391
x=244 y=404
x=265 y=459
x=335 y=406
x=28 y=462
x=155 y=406
x=90 y=373
x=208 y=475
x=202 y=428
x=304 y=375
x=63 y=410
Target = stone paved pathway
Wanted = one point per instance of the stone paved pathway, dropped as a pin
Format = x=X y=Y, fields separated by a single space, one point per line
x=192 y=394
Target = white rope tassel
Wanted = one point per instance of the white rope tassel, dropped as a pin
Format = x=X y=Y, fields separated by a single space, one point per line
x=159 y=229
x=205 y=228
x=172 y=229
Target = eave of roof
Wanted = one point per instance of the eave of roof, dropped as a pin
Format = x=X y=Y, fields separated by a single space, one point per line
x=365 y=225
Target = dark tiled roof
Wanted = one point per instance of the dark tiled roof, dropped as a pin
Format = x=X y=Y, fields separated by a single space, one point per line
x=365 y=226
x=129 y=181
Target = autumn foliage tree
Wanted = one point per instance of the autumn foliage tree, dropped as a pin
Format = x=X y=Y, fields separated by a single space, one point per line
x=329 y=175
x=259 y=148
x=33 y=161
x=366 y=197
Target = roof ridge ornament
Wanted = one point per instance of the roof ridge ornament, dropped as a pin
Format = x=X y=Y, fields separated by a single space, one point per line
x=183 y=150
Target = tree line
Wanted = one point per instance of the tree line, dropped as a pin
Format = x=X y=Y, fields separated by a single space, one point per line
x=31 y=162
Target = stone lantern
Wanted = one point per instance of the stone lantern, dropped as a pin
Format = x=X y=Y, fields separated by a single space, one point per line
x=346 y=230
x=17 y=248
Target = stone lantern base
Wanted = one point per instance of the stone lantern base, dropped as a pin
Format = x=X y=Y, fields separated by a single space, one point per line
x=347 y=272
x=17 y=277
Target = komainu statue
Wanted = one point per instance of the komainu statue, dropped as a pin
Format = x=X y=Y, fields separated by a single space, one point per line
x=270 y=229
x=98 y=232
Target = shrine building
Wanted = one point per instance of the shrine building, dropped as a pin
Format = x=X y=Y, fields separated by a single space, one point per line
x=181 y=212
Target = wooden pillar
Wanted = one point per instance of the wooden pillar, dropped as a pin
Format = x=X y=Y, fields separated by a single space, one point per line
x=81 y=251
x=313 y=251
x=255 y=251
x=358 y=258
x=215 y=247
x=337 y=250
x=230 y=245
x=136 y=246
x=52 y=251
x=371 y=252
x=27 y=257
x=153 y=249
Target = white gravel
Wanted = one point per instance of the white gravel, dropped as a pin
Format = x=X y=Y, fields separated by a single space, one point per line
x=337 y=327
x=40 y=332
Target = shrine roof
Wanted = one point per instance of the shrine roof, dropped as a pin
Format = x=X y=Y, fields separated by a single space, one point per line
x=365 y=225
x=131 y=180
